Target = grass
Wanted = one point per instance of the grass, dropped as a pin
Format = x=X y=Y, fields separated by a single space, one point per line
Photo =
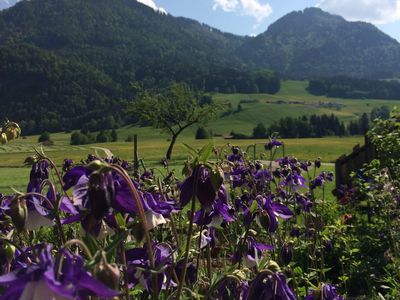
x=292 y=100
x=296 y=102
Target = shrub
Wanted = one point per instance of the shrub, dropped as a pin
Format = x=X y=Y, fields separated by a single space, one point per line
x=78 y=138
x=202 y=134
x=102 y=137
x=45 y=136
x=260 y=132
x=114 y=135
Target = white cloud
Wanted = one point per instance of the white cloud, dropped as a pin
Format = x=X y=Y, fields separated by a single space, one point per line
x=374 y=11
x=150 y=3
x=226 y=5
x=253 y=8
x=256 y=9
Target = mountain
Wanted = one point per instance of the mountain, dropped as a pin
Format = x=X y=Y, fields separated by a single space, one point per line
x=313 y=43
x=67 y=64
x=107 y=44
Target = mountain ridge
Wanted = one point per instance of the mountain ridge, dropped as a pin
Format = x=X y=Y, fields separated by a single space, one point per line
x=112 y=43
x=299 y=44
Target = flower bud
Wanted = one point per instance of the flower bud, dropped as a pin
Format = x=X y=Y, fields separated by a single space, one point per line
x=18 y=213
x=264 y=220
x=101 y=193
x=9 y=251
x=3 y=138
x=217 y=178
x=273 y=266
x=286 y=253
x=109 y=274
x=12 y=130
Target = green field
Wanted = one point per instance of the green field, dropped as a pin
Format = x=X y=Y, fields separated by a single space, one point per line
x=294 y=101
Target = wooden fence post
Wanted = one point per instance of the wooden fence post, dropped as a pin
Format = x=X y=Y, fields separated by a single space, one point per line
x=135 y=154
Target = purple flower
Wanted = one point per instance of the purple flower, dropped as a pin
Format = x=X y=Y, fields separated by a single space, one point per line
x=286 y=253
x=206 y=191
x=268 y=215
x=325 y=291
x=293 y=180
x=219 y=212
x=67 y=164
x=269 y=286
x=191 y=272
x=49 y=278
x=236 y=156
x=101 y=194
x=229 y=288
x=252 y=253
x=321 y=179
x=139 y=271
x=273 y=143
x=304 y=202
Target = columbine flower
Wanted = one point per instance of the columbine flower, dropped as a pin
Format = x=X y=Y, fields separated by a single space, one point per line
x=67 y=164
x=286 y=253
x=325 y=291
x=270 y=286
x=49 y=278
x=206 y=189
x=293 y=180
x=321 y=179
x=96 y=196
x=267 y=217
x=236 y=156
x=191 y=272
x=273 y=143
x=219 y=212
x=229 y=288
x=139 y=267
x=252 y=253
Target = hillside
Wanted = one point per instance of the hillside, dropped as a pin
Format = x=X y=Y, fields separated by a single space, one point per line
x=313 y=43
x=68 y=63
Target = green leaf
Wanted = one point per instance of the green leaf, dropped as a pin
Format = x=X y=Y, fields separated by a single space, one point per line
x=254 y=206
x=191 y=149
x=205 y=152
x=120 y=220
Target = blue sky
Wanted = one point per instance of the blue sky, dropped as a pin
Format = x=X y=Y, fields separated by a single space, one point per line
x=251 y=17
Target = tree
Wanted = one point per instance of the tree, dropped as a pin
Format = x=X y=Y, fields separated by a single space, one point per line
x=45 y=136
x=102 y=137
x=202 y=134
x=78 y=138
x=172 y=109
x=259 y=132
x=114 y=135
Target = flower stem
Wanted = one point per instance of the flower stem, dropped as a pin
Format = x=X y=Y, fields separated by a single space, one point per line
x=125 y=271
x=81 y=244
x=143 y=222
x=189 y=235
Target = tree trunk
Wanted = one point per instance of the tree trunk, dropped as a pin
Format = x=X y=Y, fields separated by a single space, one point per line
x=171 y=145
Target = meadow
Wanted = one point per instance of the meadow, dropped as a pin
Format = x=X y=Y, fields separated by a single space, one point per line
x=292 y=100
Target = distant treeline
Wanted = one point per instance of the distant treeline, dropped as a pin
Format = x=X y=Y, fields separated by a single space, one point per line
x=316 y=126
x=45 y=92
x=346 y=87
x=312 y=126
x=231 y=80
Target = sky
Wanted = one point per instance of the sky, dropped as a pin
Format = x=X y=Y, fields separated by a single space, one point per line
x=251 y=17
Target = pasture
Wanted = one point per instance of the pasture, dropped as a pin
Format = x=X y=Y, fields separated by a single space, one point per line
x=293 y=100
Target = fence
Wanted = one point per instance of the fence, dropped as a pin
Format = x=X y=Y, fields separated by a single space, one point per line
x=346 y=164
